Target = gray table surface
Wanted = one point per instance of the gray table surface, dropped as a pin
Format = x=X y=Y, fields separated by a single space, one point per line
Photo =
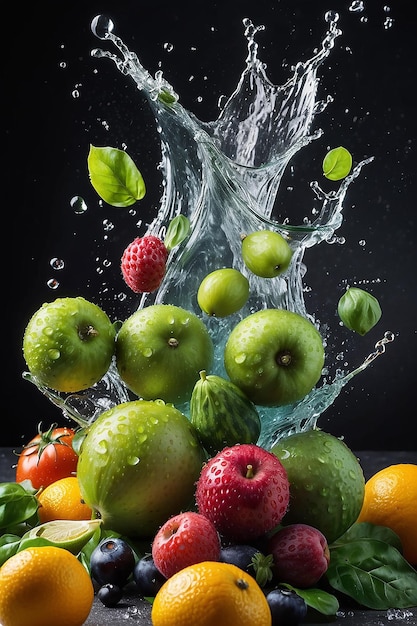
x=134 y=610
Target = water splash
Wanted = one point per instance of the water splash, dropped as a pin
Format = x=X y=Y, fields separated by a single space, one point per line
x=225 y=176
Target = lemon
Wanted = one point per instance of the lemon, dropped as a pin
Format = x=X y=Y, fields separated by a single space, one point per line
x=327 y=484
x=72 y=535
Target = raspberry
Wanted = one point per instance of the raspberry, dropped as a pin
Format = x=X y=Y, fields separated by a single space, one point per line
x=143 y=263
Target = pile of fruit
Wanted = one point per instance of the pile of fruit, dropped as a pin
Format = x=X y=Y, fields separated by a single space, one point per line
x=211 y=527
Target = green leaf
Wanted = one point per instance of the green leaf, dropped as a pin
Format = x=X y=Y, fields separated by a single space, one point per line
x=373 y=573
x=17 y=504
x=337 y=163
x=178 y=230
x=318 y=599
x=9 y=545
x=366 y=530
x=115 y=176
x=359 y=310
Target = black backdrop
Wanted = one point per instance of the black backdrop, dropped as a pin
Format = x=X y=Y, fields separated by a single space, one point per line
x=57 y=100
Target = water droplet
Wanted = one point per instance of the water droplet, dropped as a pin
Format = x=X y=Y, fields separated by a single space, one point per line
x=108 y=225
x=102 y=26
x=75 y=93
x=168 y=47
x=357 y=6
x=62 y=65
x=78 y=204
x=52 y=283
x=57 y=264
x=132 y=460
x=331 y=16
x=388 y=22
x=240 y=358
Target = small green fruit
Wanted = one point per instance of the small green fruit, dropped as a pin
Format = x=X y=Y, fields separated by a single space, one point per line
x=138 y=466
x=223 y=292
x=160 y=351
x=68 y=344
x=266 y=253
x=327 y=482
x=359 y=310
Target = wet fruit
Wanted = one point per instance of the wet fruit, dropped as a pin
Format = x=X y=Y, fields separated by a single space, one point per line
x=160 y=351
x=275 y=356
x=211 y=594
x=223 y=292
x=112 y=562
x=391 y=500
x=287 y=607
x=359 y=310
x=266 y=253
x=327 y=481
x=138 y=466
x=143 y=263
x=69 y=534
x=222 y=414
x=62 y=499
x=68 y=344
x=244 y=491
x=44 y=586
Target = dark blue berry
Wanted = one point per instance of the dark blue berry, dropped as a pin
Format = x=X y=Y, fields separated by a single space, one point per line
x=110 y=595
x=287 y=607
x=112 y=561
x=147 y=577
x=239 y=555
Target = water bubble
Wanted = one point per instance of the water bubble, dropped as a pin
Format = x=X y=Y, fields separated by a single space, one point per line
x=388 y=22
x=108 y=225
x=63 y=65
x=57 y=264
x=78 y=204
x=75 y=93
x=52 y=283
x=357 y=6
x=331 y=16
x=102 y=26
x=168 y=47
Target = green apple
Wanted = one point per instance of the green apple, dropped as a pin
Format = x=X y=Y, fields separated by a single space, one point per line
x=266 y=253
x=275 y=356
x=68 y=344
x=160 y=351
x=223 y=292
x=138 y=466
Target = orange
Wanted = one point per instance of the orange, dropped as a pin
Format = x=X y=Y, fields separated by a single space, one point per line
x=391 y=500
x=62 y=500
x=44 y=586
x=211 y=594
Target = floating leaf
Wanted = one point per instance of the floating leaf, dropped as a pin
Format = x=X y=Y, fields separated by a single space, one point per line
x=359 y=310
x=373 y=573
x=178 y=230
x=337 y=163
x=115 y=176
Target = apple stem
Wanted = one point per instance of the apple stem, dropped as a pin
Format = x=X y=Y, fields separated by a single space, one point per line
x=173 y=343
x=249 y=471
x=203 y=375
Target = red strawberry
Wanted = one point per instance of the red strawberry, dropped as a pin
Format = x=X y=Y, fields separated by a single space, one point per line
x=143 y=263
x=243 y=491
x=185 y=539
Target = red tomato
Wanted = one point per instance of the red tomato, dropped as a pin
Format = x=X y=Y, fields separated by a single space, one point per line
x=47 y=457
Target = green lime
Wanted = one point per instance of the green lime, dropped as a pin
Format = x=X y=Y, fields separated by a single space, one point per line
x=327 y=484
x=69 y=534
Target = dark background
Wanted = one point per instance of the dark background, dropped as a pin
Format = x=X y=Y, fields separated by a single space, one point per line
x=57 y=100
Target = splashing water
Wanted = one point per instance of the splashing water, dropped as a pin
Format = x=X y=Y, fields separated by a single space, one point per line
x=224 y=176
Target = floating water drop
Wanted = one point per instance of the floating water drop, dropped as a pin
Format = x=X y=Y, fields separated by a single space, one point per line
x=56 y=263
x=102 y=26
x=52 y=283
x=357 y=6
x=168 y=47
x=78 y=204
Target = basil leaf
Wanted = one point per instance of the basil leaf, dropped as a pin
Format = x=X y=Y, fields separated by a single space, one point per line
x=178 y=229
x=9 y=545
x=366 y=530
x=337 y=163
x=115 y=176
x=373 y=573
x=16 y=504
x=359 y=310
x=317 y=599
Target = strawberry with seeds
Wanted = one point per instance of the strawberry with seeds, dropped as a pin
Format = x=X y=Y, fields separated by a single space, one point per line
x=143 y=263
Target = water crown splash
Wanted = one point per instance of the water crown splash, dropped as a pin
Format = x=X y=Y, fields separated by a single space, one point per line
x=225 y=175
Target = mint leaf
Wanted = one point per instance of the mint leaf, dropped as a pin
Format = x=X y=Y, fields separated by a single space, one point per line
x=373 y=573
x=178 y=230
x=317 y=599
x=115 y=176
x=337 y=163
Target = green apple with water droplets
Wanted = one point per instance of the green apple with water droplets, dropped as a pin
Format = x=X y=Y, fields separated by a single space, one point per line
x=68 y=344
x=275 y=356
x=160 y=351
x=138 y=466
x=223 y=292
x=266 y=253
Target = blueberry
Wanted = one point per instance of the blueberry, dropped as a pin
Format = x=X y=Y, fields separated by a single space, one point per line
x=239 y=555
x=110 y=594
x=287 y=607
x=147 y=576
x=112 y=561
